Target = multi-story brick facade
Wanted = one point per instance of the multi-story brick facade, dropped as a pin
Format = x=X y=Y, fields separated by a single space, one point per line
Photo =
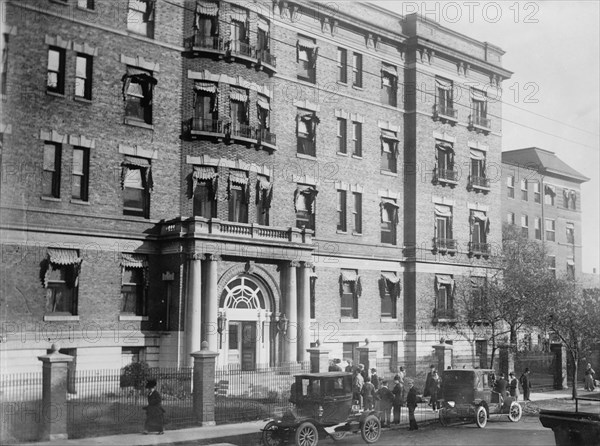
x=257 y=175
x=542 y=196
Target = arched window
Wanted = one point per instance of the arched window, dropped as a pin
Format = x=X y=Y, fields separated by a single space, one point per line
x=243 y=293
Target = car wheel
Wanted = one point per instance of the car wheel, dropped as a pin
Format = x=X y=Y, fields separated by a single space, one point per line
x=515 y=412
x=339 y=436
x=481 y=416
x=444 y=419
x=271 y=435
x=370 y=430
x=307 y=435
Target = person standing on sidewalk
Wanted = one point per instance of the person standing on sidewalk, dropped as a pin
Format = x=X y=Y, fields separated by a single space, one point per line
x=385 y=398
x=154 y=410
x=434 y=389
x=411 y=402
x=368 y=394
x=375 y=378
x=513 y=386
x=525 y=381
x=398 y=392
x=590 y=378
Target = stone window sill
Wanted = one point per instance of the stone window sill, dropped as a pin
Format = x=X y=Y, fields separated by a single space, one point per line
x=389 y=173
x=138 y=123
x=126 y=317
x=82 y=100
x=84 y=203
x=341 y=153
x=59 y=318
x=55 y=94
x=50 y=199
x=306 y=157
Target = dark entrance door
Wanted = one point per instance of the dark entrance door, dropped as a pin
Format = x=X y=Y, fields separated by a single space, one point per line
x=248 y=345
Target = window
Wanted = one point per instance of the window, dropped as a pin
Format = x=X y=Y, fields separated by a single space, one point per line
x=264 y=195
x=444 y=305
x=389 y=151
x=479 y=109
x=389 y=220
x=136 y=181
x=536 y=192
x=306 y=131
x=445 y=99
x=569 y=199
x=140 y=17
x=86 y=4
x=357 y=70
x=478 y=285
x=81 y=173
x=4 y=64
x=570 y=268
x=239 y=113
x=389 y=85
x=550 y=230
x=132 y=355
x=480 y=227
x=357 y=212
x=263 y=44
x=549 y=194
x=510 y=184
x=350 y=290
x=51 y=173
x=524 y=225
x=134 y=273
x=56 y=70
x=60 y=272
x=538 y=228
x=478 y=169
x=510 y=218
x=206 y=108
x=342 y=63
x=571 y=233
x=390 y=356
x=341 y=210
x=357 y=138
x=306 y=56
x=239 y=195
x=83 y=76
x=138 y=86
x=443 y=228
x=204 y=184
x=444 y=156
x=206 y=24
x=263 y=112
x=313 y=293
x=240 y=31
x=304 y=201
x=341 y=134
x=389 y=290
x=552 y=265
x=524 y=191
x=350 y=351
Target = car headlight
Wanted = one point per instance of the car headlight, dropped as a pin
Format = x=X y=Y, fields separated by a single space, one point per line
x=451 y=403
x=320 y=411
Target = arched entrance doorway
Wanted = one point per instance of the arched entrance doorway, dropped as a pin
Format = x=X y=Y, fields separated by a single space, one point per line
x=246 y=302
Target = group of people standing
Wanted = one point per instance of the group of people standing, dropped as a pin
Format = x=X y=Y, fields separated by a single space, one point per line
x=510 y=386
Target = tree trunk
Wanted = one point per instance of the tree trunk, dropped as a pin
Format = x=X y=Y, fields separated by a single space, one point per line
x=513 y=336
x=575 y=358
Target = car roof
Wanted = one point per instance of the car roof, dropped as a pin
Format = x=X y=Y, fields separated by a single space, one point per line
x=324 y=375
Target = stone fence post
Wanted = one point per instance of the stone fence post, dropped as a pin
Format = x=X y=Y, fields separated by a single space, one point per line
x=54 y=395
x=204 y=385
x=319 y=359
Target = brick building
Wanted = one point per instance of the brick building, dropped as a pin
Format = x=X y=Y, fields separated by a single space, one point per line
x=542 y=196
x=258 y=175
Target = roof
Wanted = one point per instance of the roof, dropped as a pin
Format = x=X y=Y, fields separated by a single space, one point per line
x=544 y=162
x=323 y=375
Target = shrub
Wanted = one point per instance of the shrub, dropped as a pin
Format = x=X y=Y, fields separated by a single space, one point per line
x=135 y=375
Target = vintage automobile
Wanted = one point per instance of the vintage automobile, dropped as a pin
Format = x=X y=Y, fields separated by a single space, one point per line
x=467 y=394
x=322 y=407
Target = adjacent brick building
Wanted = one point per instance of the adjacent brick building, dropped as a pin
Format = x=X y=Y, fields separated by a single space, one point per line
x=257 y=175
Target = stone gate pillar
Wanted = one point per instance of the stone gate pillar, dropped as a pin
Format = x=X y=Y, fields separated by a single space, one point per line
x=54 y=395
x=507 y=359
x=367 y=355
x=443 y=355
x=560 y=366
x=204 y=385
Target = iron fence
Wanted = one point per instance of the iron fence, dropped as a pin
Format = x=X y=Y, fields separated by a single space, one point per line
x=21 y=406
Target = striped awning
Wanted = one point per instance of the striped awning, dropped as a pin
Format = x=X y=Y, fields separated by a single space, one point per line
x=443 y=279
x=135 y=161
x=443 y=84
x=443 y=210
x=478 y=95
x=389 y=202
x=388 y=134
x=263 y=103
x=390 y=277
x=476 y=154
x=134 y=260
x=239 y=16
x=209 y=87
x=263 y=24
x=209 y=9
x=60 y=256
x=263 y=182
x=349 y=276
x=238 y=95
x=570 y=262
x=238 y=177
x=389 y=69
x=479 y=215
x=306 y=43
x=445 y=146
x=204 y=173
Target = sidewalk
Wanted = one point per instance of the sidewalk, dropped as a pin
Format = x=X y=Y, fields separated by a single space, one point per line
x=241 y=433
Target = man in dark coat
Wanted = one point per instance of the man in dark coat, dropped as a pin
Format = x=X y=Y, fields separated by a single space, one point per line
x=525 y=381
x=385 y=399
x=411 y=402
x=513 y=386
x=428 y=380
x=501 y=385
x=398 y=392
x=375 y=378
x=154 y=410
x=368 y=394
x=335 y=366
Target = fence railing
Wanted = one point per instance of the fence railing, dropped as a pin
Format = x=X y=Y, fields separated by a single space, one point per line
x=20 y=406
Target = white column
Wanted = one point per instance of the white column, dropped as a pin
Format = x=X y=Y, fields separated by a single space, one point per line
x=290 y=350
x=211 y=304
x=194 y=305
x=303 y=310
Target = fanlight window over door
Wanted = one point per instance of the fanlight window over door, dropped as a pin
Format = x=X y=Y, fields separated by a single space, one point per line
x=243 y=293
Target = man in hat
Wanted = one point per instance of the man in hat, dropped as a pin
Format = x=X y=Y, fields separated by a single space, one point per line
x=411 y=403
x=525 y=381
x=385 y=399
x=513 y=386
x=375 y=378
x=154 y=410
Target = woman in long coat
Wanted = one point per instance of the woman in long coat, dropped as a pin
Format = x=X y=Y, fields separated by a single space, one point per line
x=590 y=377
x=154 y=410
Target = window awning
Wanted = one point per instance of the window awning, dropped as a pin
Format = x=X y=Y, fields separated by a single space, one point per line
x=238 y=95
x=306 y=44
x=549 y=190
x=389 y=202
x=263 y=183
x=388 y=134
x=572 y=194
x=209 y=87
x=134 y=161
x=239 y=16
x=476 y=154
x=570 y=262
x=313 y=275
x=263 y=103
x=443 y=280
x=478 y=95
x=446 y=146
x=134 y=260
x=263 y=24
x=349 y=276
x=238 y=177
x=390 y=277
x=443 y=84
x=570 y=226
x=389 y=69
x=209 y=9
x=479 y=215
x=443 y=210
x=204 y=173
x=60 y=256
